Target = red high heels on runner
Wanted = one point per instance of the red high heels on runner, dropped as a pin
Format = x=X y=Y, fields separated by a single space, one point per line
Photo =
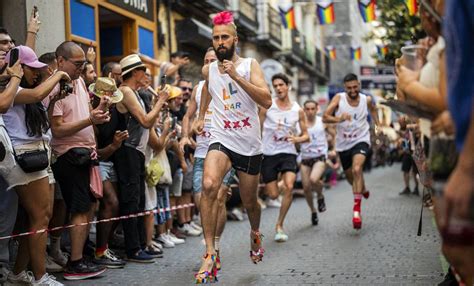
x=357 y=220
x=206 y=277
x=256 y=242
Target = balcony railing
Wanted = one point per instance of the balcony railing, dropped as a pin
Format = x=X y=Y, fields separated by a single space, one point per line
x=269 y=30
x=245 y=14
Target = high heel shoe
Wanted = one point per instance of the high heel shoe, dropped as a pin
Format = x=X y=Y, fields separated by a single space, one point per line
x=256 y=242
x=357 y=220
x=218 y=261
x=205 y=277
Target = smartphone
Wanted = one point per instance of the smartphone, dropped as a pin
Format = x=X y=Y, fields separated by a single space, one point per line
x=13 y=57
x=35 y=11
x=173 y=122
x=163 y=82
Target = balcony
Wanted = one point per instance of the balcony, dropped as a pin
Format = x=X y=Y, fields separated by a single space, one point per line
x=245 y=14
x=297 y=47
x=269 y=30
x=198 y=9
x=191 y=32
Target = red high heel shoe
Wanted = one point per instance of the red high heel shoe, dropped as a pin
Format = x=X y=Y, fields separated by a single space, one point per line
x=366 y=194
x=218 y=261
x=256 y=242
x=357 y=220
x=206 y=277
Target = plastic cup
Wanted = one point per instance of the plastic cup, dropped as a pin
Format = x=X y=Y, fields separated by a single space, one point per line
x=414 y=57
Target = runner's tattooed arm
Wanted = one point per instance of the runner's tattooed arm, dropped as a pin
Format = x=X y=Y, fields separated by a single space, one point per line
x=373 y=111
x=328 y=116
x=257 y=87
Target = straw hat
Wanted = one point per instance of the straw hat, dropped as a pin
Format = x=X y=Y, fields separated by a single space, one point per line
x=105 y=86
x=130 y=63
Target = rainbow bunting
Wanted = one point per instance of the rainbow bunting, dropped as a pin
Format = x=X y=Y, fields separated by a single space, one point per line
x=382 y=50
x=288 y=18
x=325 y=12
x=412 y=6
x=356 y=53
x=367 y=10
x=331 y=52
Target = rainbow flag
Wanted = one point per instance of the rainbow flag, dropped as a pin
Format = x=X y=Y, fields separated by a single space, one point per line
x=331 y=52
x=356 y=53
x=325 y=12
x=382 y=50
x=288 y=18
x=367 y=10
x=412 y=6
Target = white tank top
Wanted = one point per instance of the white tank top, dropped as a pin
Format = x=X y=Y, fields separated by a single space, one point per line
x=318 y=143
x=235 y=122
x=202 y=140
x=277 y=127
x=349 y=133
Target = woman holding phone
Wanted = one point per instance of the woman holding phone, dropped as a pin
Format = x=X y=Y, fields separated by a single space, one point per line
x=27 y=125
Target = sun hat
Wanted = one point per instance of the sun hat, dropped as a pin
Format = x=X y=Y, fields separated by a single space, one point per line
x=27 y=57
x=105 y=86
x=174 y=92
x=130 y=63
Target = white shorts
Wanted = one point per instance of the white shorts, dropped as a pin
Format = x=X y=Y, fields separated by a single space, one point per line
x=17 y=177
x=151 y=200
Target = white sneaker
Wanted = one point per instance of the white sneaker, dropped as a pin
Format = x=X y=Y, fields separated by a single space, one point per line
x=3 y=273
x=195 y=226
x=22 y=278
x=174 y=239
x=189 y=230
x=237 y=213
x=52 y=266
x=273 y=203
x=157 y=245
x=59 y=257
x=47 y=280
x=197 y=219
x=165 y=241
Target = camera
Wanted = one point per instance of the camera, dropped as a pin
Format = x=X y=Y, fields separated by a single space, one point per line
x=66 y=87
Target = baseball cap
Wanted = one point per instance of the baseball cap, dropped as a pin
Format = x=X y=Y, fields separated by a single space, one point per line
x=27 y=57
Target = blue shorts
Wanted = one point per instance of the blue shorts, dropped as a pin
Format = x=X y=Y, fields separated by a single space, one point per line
x=163 y=200
x=198 y=172
x=107 y=171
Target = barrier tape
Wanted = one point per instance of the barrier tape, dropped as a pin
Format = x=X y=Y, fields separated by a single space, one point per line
x=144 y=213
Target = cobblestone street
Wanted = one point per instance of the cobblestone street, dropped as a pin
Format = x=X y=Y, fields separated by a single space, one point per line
x=386 y=250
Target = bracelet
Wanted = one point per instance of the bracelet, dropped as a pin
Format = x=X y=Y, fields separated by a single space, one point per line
x=36 y=33
x=90 y=120
x=15 y=75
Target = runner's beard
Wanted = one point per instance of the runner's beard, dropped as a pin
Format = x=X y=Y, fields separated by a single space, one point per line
x=353 y=95
x=224 y=53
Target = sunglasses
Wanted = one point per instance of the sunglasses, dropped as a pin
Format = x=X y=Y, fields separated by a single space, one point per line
x=186 y=88
x=77 y=64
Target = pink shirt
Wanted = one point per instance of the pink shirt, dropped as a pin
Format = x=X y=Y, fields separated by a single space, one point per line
x=73 y=108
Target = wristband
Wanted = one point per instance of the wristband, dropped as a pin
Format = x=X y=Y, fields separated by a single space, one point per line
x=90 y=120
x=35 y=33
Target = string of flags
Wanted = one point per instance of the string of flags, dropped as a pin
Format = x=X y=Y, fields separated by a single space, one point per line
x=326 y=14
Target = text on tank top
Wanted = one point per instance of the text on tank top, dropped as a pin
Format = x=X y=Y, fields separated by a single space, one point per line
x=202 y=141
x=235 y=122
x=318 y=144
x=278 y=126
x=349 y=133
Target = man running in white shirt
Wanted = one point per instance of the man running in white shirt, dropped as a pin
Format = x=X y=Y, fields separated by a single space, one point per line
x=279 y=139
x=237 y=88
x=349 y=110
x=313 y=159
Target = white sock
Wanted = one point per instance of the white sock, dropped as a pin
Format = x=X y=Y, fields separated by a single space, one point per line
x=55 y=243
x=216 y=242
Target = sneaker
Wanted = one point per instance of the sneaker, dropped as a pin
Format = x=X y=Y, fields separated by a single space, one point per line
x=273 y=203
x=189 y=230
x=179 y=234
x=416 y=192
x=52 y=266
x=153 y=252
x=47 y=280
x=82 y=270
x=22 y=278
x=197 y=219
x=280 y=236
x=314 y=218
x=165 y=241
x=237 y=213
x=195 y=226
x=109 y=260
x=406 y=191
x=59 y=257
x=3 y=272
x=156 y=244
x=321 y=205
x=141 y=257
x=174 y=239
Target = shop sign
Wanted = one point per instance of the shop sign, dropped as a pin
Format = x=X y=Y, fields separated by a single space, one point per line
x=142 y=8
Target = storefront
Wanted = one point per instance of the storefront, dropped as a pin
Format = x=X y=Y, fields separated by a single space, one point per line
x=115 y=28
